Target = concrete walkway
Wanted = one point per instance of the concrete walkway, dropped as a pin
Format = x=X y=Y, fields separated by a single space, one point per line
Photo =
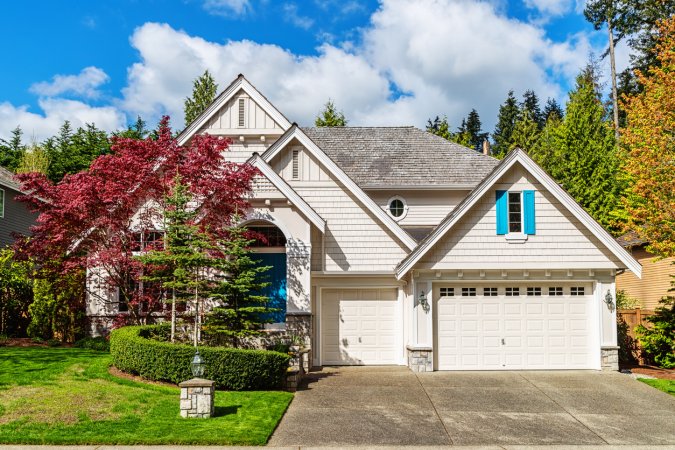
x=391 y=406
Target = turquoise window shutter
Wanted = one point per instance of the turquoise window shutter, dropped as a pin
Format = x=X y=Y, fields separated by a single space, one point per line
x=528 y=212
x=502 y=213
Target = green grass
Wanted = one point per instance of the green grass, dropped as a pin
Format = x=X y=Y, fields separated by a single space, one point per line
x=66 y=396
x=667 y=386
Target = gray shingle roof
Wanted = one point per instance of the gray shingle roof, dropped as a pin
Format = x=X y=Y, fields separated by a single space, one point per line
x=400 y=156
x=7 y=179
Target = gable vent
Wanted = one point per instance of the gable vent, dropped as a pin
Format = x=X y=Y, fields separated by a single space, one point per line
x=242 y=122
x=296 y=164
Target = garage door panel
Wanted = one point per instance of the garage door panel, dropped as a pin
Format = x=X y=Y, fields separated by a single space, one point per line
x=364 y=332
x=513 y=332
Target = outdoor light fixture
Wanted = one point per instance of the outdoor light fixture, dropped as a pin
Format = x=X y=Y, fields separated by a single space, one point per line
x=197 y=365
x=423 y=301
x=609 y=300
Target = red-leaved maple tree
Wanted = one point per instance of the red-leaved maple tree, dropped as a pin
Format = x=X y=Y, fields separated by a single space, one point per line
x=92 y=220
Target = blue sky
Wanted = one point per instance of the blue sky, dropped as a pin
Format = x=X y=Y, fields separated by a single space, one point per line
x=384 y=63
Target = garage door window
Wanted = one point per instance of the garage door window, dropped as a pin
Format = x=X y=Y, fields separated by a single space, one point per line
x=447 y=292
x=490 y=291
x=468 y=292
x=512 y=292
x=577 y=290
x=558 y=290
x=533 y=291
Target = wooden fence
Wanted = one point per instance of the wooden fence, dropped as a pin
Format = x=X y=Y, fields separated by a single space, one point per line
x=632 y=318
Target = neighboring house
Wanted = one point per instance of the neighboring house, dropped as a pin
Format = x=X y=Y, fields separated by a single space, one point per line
x=656 y=273
x=15 y=217
x=394 y=246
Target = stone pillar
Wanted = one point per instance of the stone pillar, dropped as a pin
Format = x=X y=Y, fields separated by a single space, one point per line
x=610 y=358
x=197 y=398
x=420 y=359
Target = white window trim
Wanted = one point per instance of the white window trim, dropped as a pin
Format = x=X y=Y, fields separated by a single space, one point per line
x=405 y=208
x=2 y=204
x=511 y=237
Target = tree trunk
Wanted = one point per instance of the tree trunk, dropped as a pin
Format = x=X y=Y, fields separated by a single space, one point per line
x=612 y=63
x=173 y=315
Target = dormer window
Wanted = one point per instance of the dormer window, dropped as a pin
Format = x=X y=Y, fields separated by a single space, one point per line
x=515 y=214
x=397 y=208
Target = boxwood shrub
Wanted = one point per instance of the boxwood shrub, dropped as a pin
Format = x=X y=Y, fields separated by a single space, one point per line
x=235 y=369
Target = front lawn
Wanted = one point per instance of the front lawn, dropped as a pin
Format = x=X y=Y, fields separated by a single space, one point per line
x=66 y=396
x=667 y=386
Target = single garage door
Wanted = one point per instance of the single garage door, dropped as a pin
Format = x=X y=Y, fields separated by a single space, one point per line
x=511 y=327
x=358 y=326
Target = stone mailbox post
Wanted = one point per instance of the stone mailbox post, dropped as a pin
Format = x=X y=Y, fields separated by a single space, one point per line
x=196 y=398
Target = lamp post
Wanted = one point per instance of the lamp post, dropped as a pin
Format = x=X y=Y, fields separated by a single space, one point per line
x=197 y=394
x=197 y=365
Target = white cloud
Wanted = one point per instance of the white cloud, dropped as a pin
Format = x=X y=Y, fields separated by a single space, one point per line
x=227 y=8
x=85 y=84
x=293 y=16
x=551 y=7
x=55 y=112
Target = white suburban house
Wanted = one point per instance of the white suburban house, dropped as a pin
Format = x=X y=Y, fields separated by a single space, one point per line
x=394 y=246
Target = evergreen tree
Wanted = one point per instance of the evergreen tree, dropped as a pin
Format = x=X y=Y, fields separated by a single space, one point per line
x=72 y=152
x=552 y=109
x=137 y=130
x=531 y=104
x=204 y=91
x=12 y=150
x=440 y=127
x=241 y=310
x=463 y=136
x=179 y=264
x=525 y=132
x=473 y=128
x=506 y=121
x=34 y=159
x=584 y=158
x=330 y=116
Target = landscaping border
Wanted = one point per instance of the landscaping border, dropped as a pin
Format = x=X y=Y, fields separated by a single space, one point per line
x=234 y=369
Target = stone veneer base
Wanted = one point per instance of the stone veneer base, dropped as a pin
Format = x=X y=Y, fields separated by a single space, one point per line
x=420 y=359
x=609 y=358
x=196 y=398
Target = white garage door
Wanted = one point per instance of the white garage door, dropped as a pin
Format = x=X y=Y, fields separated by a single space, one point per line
x=532 y=326
x=358 y=326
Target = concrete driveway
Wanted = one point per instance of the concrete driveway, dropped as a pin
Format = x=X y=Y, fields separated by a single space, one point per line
x=392 y=406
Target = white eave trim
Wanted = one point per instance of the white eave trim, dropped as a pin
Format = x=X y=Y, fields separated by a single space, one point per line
x=240 y=83
x=297 y=133
x=559 y=193
x=288 y=191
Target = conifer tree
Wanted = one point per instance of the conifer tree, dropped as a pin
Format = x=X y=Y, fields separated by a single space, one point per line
x=471 y=130
x=552 y=109
x=531 y=104
x=72 y=152
x=12 y=150
x=330 y=116
x=204 y=91
x=525 y=133
x=440 y=127
x=506 y=121
x=241 y=310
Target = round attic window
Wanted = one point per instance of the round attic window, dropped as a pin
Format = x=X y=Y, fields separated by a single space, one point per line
x=397 y=208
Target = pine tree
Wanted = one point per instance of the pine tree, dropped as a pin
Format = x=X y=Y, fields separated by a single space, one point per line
x=241 y=311
x=531 y=104
x=204 y=91
x=463 y=136
x=72 y=152
x=506 y=121
x=525 y=133
x=137 y=130
x=330 y=116
x=552 y=109
x=12 y=150
x=472 y=126
x=440 y=127
x=179 y=264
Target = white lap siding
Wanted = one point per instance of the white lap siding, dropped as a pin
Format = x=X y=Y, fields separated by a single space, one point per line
x=560 y=242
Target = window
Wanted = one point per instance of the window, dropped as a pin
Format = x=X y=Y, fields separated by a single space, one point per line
x=148 y=240
x=515 y=213
x=533 y=291
x=397 y=208
x=468 y=292
x=557 y=290
x=447 y=292
x=490 y=292
x=242 y=109
x=577 y=290
x=2 y=203
x=296 y=164
x=512 y=292
x=267 y=236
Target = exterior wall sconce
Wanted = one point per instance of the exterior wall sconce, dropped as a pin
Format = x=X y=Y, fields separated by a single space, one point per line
x=609 y=301
x=423 y=301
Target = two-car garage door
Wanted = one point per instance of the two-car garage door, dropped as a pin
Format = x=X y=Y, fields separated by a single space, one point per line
x=359 y=326
x=497 y=327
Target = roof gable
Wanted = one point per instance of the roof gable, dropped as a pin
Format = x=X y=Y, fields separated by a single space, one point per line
x=296 y=133
x=518 y=156
x=223 y=103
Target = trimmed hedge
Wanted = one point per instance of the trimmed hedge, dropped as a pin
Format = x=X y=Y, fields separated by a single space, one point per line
x=231 y=368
